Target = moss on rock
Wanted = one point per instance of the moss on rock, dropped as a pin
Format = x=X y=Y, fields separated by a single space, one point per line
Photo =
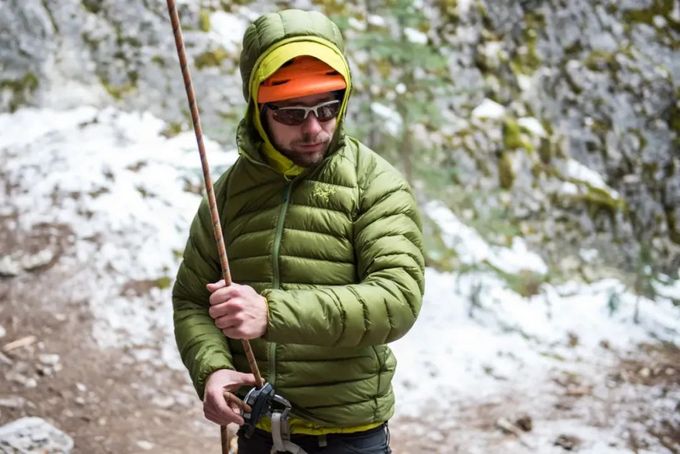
x=211 y=58
x=646 y=15
x=673 y=227
x=204 y=20
x=172 y=129
x=118 y=91
x=601 y=198
x=525 y=283
x=600 y=61
x=21 y=89
x=93 y=6
x=506 y=173
x=513 y=139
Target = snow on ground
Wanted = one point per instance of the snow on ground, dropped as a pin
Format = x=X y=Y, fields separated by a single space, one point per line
x=476 y=340
x=128 y=194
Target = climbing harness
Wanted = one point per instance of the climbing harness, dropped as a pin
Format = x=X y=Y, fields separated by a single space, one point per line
x=265 y=402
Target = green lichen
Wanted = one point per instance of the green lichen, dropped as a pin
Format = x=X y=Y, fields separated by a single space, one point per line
x=661 y=8
x=211 y=58
x=449 y=9
x=163 y=282
x=600 y=61
x=157 y=59
x=131 y=40
x=674 y=114
x=333 y=8
x=646 y=15
x=204 y=20
x=545 y=151
x=574 y=49
x=525 y=283
x=601 y=127
x=506 y=173
x=93 y=6
x=512 y=139
x=601 y=198
x=673 y=228
x=21 y=89
x=172 y=129
x=118 y=91
x=526 y=60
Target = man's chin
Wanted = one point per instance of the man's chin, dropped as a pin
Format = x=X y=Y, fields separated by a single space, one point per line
x=307 y=157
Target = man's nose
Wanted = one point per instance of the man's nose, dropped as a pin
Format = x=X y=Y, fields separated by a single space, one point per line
x=311 y=124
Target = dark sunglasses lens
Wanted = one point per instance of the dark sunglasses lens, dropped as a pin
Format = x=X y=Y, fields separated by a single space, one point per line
x=290 y=117
x=329 y=112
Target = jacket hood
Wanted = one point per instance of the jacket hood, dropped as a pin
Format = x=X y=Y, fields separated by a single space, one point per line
x=268 y=43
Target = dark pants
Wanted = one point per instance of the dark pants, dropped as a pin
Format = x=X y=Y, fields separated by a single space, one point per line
x=374 y=441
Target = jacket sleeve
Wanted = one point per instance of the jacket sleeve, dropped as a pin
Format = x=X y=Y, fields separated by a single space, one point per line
x=202 y=346
x=385 y=302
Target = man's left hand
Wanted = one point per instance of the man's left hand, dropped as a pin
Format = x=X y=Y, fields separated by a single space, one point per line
x=238 y=310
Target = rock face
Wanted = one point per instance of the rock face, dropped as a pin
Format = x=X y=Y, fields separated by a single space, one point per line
x=580 y=153
x=66 y=54
x=33 y=435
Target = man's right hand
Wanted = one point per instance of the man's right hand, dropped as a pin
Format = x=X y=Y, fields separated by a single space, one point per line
x=215 y=406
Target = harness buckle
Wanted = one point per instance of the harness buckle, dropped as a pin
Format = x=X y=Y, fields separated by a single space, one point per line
x=259 y=400
x=265 y=402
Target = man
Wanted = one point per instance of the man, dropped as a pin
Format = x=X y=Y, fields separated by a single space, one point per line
x=325 y=250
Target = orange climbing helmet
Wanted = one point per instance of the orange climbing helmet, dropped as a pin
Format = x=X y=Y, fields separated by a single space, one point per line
x=301 y=76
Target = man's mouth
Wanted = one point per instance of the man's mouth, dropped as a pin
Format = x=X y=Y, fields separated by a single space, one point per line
x=311 y=145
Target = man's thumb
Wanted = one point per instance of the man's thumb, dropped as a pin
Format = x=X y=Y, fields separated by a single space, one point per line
x=212 y=286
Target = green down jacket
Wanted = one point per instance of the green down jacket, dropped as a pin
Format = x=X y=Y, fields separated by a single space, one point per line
x=336 y=250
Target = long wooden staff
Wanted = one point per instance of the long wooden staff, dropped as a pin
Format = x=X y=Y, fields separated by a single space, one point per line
x=217 y=228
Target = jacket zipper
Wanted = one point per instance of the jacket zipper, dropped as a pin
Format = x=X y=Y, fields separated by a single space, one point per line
x=275 y=267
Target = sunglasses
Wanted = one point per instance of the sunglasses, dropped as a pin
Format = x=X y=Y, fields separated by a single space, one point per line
x=296 y=115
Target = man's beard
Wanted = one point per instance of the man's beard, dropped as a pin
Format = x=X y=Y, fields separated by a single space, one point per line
x=309 y=158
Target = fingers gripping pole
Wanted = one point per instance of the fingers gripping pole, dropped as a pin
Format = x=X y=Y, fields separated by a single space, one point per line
x=217 y=228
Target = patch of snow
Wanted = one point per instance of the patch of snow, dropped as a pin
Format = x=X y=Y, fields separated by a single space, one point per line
x=415 y=36
x=532 y=125
x=126 y=191
x=464 y=7
x=588 y=255
x=578 y=171
x=356 y=24
x=525 y=82
x=393 y=121
x=476 y=340
x=375 y=20
x=473 y=250
x=489 y=109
